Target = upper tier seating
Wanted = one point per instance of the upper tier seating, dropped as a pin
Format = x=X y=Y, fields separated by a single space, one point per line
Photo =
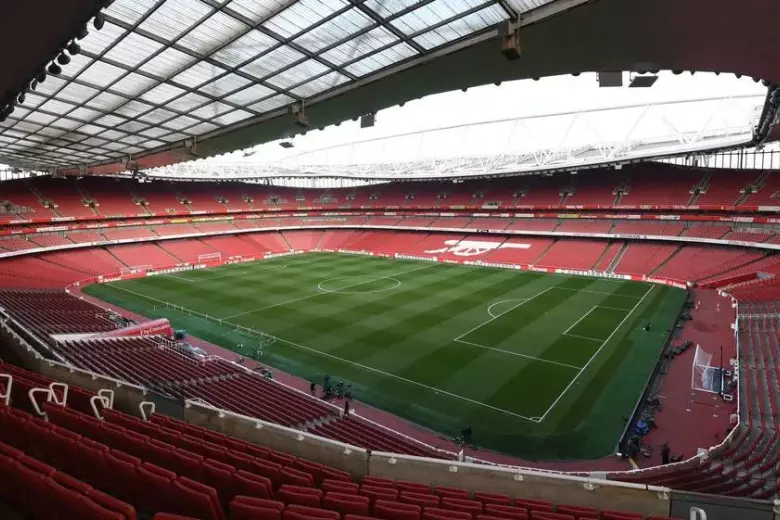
x=660 y=185
x=633 y=186
x=66 y=195
x=114 y=197
x=724 y=187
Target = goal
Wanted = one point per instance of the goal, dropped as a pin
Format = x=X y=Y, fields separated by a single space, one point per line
x=135 y=269
x=209 y=258
x=704 y=375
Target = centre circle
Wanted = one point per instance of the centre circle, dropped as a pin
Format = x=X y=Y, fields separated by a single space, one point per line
x=361 y=284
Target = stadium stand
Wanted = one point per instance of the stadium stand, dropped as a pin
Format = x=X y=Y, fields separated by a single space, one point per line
x=50 y=240
x=580 y=254
x=648 y=228
x=584 y=226
x=642 y=258
x=171 y=373
x=527 y=224
x=700 y=262
x=165 y=466
x=187 y=250
x=137 y=255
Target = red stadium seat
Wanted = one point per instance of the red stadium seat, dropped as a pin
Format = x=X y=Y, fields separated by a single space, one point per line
x=250 y=508
x=396 y=510
x=347 y=503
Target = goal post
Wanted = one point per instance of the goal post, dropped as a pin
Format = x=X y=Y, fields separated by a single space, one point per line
x=208 y=258
x=135 y=269
x=705 y=376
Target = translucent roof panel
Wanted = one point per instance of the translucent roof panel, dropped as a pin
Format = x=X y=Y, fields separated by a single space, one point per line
x=161 y=71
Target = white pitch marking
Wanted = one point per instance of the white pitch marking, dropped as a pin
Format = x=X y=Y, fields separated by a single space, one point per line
x=596 y=292
x=595 y=354
x=501 y=314
x=400 y=378
x=365 y=367
x=583 y=337
x=341 y=290
x=518 y=354
x=323 y=292
x=490 y=308
x=579 y=320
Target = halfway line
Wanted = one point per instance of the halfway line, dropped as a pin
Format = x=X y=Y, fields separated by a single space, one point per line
x=325 y=292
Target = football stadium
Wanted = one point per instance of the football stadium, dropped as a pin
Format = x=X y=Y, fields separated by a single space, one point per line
x=389 y=259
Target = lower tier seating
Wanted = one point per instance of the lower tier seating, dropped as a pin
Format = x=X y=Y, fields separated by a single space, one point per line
x=123 y=468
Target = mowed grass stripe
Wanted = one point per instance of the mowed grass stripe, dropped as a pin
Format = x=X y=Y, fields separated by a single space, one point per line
x=380 y=341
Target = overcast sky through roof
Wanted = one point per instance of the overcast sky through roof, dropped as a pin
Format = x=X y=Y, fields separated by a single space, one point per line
x=555 y=95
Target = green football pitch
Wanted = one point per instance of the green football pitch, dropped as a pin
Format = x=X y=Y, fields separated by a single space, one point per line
x=540 y=366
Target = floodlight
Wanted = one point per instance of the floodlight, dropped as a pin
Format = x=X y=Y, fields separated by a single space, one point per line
x=83 y=32
x=73 y=48
x=34 y=84
x=368 y=120
x=643 y=81
x=99 y=21
x=610 y=79
x=54 y=69
x=21 y=98
x=63 y=59
x=286 y=144
x=41 y=76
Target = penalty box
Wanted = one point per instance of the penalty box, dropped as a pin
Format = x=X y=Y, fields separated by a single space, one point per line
x=562 y=345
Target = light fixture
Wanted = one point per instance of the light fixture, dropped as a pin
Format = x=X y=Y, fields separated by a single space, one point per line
x=99 y=21
x=34 y=84
x=63 y=58
x=21 y=98
x=54 y=69
x=83 y=32
x=286 y=144
x=368 y=120
x=41 y=76
x=73 y=48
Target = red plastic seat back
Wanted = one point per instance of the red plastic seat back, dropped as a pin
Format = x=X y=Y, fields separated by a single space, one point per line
x=396 y=510
x=510 y=512
x=347 y=503
x=296 y=512
x=421 y=499
x=250 y=508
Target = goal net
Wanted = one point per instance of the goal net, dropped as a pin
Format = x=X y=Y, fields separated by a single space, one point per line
x=705 y=376
x=135 y=269
x=209 y=257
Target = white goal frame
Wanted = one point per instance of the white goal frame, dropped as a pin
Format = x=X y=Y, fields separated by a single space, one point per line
x=702 y=363
x=206 y=257
x=136 y=268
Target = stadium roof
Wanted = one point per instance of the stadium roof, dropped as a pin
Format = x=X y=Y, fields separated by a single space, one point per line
x=160 y=72
x=172 y=80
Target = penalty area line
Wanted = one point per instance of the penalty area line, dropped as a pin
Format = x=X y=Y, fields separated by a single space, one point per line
x=518 y=354
x=501 y=313
x=595 y=354
x=401 y=378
